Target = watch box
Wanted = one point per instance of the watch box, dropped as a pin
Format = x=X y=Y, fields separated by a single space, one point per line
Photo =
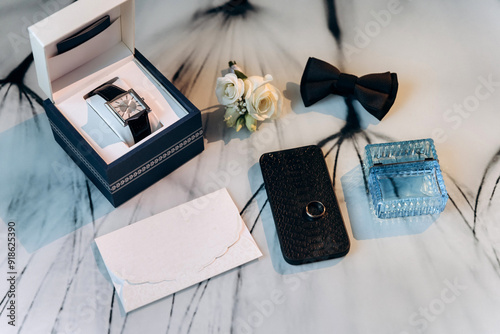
x=119 y=170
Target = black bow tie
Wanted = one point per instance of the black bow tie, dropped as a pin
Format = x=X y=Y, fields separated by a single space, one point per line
x=376 y=92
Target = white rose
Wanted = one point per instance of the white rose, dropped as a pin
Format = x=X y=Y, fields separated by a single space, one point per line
x=263 y=100
x=229 y=89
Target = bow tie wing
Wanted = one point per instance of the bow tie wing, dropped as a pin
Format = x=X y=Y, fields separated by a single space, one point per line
x=377 y=92
x=318 y=80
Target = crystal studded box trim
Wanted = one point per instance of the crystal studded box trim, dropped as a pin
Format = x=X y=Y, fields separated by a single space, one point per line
x=157 y=160
x=139 y=171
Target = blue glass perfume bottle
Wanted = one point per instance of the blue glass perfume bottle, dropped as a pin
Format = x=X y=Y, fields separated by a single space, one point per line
x=404 y=179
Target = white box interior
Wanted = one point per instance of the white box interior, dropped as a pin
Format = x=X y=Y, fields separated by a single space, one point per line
x=67 y=77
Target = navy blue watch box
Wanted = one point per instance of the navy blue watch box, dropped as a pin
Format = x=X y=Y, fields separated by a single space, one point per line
x=119 y=171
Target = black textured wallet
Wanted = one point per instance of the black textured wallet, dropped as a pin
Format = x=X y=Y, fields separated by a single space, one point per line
x=294 y=179
x=84 y=35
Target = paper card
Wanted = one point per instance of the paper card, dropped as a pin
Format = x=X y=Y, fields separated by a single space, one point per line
x=175 y=249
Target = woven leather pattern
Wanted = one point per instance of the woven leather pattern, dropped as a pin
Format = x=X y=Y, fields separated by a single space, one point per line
x=293 y=178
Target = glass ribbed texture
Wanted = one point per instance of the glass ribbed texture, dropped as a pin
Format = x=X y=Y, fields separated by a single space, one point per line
x=404 y=179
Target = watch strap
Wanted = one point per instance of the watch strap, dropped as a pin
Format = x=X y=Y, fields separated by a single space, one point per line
x=140 y=127
x=100 y=87
x=109 y=92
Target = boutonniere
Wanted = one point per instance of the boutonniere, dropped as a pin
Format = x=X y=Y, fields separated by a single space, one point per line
x=247 y=99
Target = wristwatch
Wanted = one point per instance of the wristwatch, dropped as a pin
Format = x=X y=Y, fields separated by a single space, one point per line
x=127 y=107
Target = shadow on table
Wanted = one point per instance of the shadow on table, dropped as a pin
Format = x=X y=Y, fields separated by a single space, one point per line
x=41 y=189
x=365 y=225
x=279 y=263
x=215 y=127
x=332 y=105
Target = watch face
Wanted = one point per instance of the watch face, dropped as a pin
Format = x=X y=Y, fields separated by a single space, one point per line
x=127 y=105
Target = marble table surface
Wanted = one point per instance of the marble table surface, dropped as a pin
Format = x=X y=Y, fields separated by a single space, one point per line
x=413 y=276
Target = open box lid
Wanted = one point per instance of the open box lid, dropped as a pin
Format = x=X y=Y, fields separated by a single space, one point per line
x=54 y=71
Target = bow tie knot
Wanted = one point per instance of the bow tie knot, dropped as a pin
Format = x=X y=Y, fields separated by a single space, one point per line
x=345 y=85
x=376 y=92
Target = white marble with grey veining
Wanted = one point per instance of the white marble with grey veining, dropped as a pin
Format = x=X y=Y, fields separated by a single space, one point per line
x=442 y=278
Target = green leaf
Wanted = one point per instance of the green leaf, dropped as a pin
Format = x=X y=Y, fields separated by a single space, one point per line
x=240 y=123
x=250 y=122
x=240 y=75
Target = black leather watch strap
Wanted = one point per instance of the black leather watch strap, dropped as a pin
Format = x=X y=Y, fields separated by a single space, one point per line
x=109 y=92
x=140 y=127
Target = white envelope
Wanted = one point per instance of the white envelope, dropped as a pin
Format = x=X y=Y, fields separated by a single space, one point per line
x=175 y=249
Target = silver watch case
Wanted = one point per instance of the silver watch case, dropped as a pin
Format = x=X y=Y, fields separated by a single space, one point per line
x=127 y=106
